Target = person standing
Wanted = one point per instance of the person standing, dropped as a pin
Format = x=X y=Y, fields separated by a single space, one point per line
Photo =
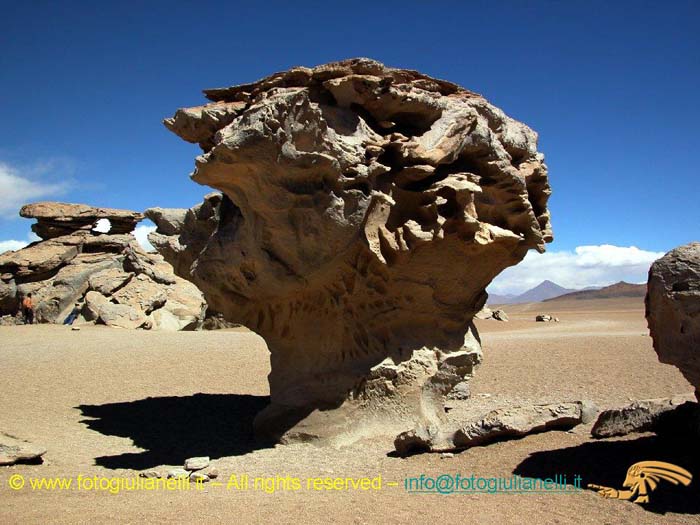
x=28 y=309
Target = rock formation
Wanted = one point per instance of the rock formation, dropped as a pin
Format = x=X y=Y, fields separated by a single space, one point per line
x=14 y=450
x=55 y=219
x=108 y=275
x=648 y=415
x=365 y=209
x=497 y=424
x=673 y=310
x=487 y=313
x=181 y=234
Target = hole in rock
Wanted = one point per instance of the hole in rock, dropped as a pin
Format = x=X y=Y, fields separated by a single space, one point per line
x=102 y=226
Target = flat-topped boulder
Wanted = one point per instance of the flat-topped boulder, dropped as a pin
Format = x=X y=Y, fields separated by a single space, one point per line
x=55 y=219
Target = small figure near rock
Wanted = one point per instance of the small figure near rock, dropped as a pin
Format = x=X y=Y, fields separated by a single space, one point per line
x=28 y=309
x=73 y=315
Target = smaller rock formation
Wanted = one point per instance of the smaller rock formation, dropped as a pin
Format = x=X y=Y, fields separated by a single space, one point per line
x=649 y=415
x=197 y=463
x=487 y=313
x=499 y=315
x=107 y=275
x=673 y=310
x=495 y=425
x=195 y=469
x=55 y=219
x=14 y=450
x=546 y=318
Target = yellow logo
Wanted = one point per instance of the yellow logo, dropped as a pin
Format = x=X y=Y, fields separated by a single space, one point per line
x=642 y=479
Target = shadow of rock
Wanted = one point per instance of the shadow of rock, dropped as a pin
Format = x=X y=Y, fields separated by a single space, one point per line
x=172 y=429
x=606 y=463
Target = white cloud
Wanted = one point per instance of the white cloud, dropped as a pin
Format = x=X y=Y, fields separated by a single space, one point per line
x=585 y=266
x=18 y=188
x=6 y=246
x=141 y=233
x=11 y=244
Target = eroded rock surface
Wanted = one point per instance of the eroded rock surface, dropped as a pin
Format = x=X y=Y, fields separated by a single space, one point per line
x=181 y=234
x=107 y=275
x=498 y=424
x=55 y=219
x=648 y=415
x=673 y=310
x=365 y=209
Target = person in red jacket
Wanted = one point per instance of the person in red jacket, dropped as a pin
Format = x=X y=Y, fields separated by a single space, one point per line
x=28 y=309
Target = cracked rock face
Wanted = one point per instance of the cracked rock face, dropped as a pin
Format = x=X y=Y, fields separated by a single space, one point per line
x=365 y=209
x=673 y=310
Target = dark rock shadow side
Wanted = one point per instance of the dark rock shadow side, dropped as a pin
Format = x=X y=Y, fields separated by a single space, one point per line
x=606 y=463
x=172 y=429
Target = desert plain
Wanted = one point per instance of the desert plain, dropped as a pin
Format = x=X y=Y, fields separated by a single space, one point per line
x=111 y=403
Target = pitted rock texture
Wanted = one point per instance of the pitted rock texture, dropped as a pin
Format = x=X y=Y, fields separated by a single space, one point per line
x=365 y=209
x=181 y=234
x=673 y=310
x=107 y=276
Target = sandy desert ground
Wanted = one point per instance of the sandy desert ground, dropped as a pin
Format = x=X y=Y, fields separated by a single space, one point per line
x=109 y=403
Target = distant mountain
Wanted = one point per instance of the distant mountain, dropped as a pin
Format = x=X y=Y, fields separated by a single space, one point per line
x=543 y=291
x=621 y=289
x=501 y=299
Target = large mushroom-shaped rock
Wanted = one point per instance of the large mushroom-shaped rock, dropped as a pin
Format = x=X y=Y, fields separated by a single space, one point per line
x=55 y=219
x=673 y=310
x=365 y=209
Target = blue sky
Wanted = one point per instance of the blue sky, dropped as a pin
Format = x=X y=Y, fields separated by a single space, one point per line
x=611 y=89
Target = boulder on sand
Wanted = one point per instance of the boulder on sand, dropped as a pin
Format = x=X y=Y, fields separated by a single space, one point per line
x=673 y=310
